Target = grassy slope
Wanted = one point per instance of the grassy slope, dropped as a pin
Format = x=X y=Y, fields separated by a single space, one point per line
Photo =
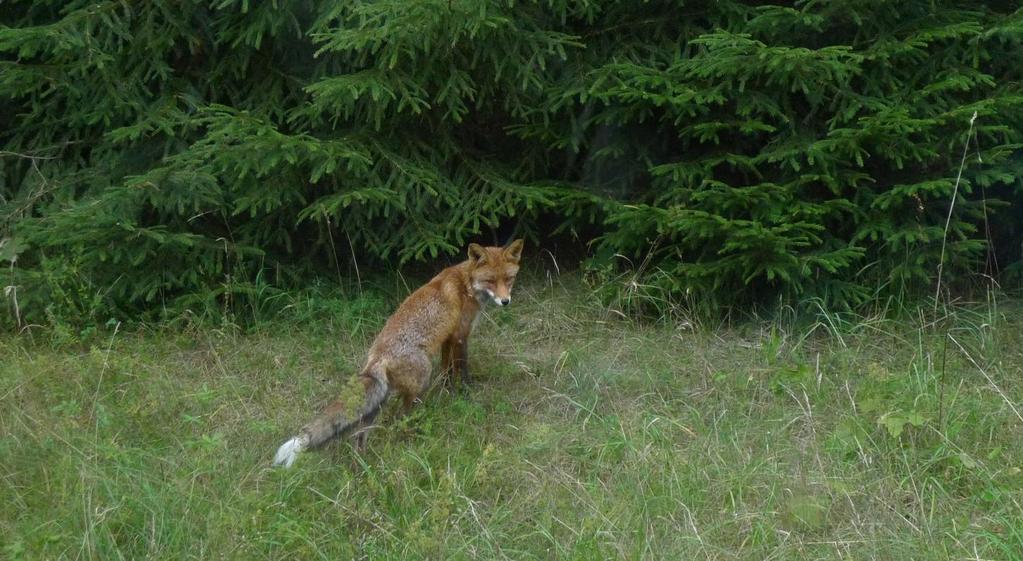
x=586 y=437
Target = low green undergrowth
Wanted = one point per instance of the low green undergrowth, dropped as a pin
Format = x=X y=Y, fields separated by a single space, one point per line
x=586 y=436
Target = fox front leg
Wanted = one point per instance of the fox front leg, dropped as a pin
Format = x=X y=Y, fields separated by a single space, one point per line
x=460 y=344
x=447 y=361
x=461 y=361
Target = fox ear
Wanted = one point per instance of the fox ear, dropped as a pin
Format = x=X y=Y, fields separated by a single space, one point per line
x=476 y=253
x=514 y=251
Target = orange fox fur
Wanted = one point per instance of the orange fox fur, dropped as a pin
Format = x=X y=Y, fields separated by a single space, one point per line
x=435 y=319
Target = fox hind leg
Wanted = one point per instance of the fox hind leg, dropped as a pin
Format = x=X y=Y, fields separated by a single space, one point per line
x=409 y=376
x=362 y=435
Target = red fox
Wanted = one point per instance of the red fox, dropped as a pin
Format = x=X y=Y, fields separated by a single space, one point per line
x=436 y=318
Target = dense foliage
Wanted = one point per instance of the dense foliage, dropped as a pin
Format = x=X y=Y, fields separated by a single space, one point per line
x=159 y=153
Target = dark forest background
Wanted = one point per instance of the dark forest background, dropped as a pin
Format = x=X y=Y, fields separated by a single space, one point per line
x=160 y=155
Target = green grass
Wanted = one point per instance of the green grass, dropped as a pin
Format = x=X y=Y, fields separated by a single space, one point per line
x=587 y=436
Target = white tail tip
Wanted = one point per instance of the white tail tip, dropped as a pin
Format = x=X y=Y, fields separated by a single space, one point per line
x=288 y=451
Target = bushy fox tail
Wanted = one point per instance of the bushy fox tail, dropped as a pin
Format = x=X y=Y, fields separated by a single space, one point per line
x=361 y=401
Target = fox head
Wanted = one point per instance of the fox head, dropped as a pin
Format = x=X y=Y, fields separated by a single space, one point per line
x=493 y=271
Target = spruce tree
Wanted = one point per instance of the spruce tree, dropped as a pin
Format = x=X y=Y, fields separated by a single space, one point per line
x=161 y=153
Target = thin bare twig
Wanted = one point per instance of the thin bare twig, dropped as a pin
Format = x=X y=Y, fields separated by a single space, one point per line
x=952 y=204
x=4 y=153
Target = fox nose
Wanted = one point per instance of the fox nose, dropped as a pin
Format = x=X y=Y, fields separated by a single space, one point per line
x=504 y=301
